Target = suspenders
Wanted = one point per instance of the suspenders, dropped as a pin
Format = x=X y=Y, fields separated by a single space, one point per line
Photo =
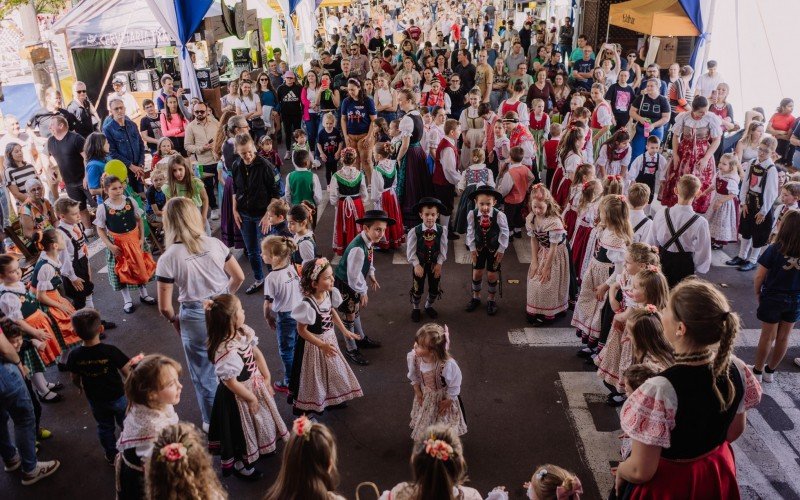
x=641 y=223
x=676 y=235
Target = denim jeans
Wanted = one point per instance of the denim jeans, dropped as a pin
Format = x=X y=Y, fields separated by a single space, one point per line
x=109 y=415
x=15 y=402
x=287 y=336
x=252 y=236
x=193 y=336
x=639 y=142
x=312 y=127
x=210 y=184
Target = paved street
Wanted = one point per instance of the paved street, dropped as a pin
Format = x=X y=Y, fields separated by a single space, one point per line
x=528 y=398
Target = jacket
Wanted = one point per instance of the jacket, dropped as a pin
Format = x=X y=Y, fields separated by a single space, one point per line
x=124 y=142
x=254 y=186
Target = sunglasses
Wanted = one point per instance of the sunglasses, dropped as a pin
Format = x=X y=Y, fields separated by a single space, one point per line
x=200 y=112
x=263 y=79
x=80 y=91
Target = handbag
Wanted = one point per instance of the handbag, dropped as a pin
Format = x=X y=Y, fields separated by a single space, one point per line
x=256 y=123
x=370 y=485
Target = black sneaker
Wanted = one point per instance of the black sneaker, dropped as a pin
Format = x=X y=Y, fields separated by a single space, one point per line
x=431 y=312
x=368 y=343
x=736 y=261
x=256 y=286
x=356 y=357
x=747 y=266
x=491 y=308
x=472 y=304
x=416 y=315
x=108 y=325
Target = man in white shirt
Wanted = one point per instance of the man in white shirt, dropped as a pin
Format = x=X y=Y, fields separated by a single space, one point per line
x=707 y=82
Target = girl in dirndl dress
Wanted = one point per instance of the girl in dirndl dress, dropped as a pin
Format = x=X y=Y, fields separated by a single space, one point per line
x=723 y=222
x=321 y=378
x=436 y=380
x=602 y=119
x=614 y=155
x=478 y=174
x=583 y=174
x=540 y=128
x=119 y=225
x=587 y=207
x=570 y=156
x=548 y=275
x=245 y=423
x=472 y=128
x=614 y=234
x=383 y=190
x=348 y=193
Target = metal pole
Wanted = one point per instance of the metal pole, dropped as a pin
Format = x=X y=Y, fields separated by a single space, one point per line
x=708 y=29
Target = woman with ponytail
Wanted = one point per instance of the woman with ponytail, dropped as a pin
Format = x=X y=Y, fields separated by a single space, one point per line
x=682 y=421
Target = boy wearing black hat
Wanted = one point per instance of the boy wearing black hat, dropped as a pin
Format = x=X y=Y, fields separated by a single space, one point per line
x=354 y=274
x=426 y=250
x=487 y=240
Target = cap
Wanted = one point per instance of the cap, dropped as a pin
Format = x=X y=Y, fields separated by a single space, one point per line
x=118 y=79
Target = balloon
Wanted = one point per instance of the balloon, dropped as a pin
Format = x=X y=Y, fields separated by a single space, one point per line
x=117 y=169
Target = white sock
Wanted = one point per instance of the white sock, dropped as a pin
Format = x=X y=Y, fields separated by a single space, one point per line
x=744 y=248
x=90 y=301
x=444 y=220
x=755 y=253
x=143 y=292
x=39 y=383
x=358 y=328
x=126 y=295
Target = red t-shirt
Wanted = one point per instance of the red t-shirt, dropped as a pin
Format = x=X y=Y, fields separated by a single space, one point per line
x=455 y=29
x=782 y=122
x=551 y=153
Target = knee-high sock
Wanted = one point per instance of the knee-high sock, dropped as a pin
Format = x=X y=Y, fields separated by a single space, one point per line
x=90 y=301
x=444 y=220
x=754 y=253
x=39 y=383
x=359 y=328
x=744 y=248
x=350 y=344
x=126 y=295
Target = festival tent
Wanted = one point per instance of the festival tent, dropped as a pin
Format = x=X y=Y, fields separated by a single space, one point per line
x=653 y=17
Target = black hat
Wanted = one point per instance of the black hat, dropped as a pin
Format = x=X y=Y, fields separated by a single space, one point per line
x=485 y=189
x=430 y=201
x=373 y=215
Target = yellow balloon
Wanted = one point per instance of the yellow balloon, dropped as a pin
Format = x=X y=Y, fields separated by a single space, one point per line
x=117 y=169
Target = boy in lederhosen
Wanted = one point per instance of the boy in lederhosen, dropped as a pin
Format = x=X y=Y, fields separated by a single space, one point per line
x=487 y=240
x=649 y=168
x=426 y=250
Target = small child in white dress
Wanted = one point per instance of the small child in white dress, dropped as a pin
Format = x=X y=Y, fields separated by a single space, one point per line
x=723 y=221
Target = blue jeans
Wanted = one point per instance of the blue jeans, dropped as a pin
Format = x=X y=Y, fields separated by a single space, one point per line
x=639 y=142
x=287 y=336
x=312 y=127
x=109 y=415
x=252 y=236
x=194 y=336
x=15 y=402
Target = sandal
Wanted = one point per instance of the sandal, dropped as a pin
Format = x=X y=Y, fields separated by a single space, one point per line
x=56 y=397
x=150 y=301
x=129 y=308
x=55 y=386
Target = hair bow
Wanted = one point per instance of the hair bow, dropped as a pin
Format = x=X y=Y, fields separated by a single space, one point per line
x=538 y=187
x=540 y=474
x=574 y=493
x=172 y=452
x=652 y=268
x=621 y=197
x=585 y=185
x=438 y=449
x=613 y=178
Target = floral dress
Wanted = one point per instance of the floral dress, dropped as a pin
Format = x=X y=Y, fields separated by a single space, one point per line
x=438 y=380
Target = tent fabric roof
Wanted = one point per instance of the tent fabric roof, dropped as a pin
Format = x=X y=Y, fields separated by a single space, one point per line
x=653 y=17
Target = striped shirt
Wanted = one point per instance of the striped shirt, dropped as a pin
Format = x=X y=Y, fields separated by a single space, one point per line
x=19 y=175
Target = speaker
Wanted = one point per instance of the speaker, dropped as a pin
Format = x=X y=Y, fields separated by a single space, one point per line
x=129 y=77
x=147 y=80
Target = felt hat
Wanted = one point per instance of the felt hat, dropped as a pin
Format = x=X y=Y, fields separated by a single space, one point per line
x=485 y=189
x=430 y=201
x=376 y=215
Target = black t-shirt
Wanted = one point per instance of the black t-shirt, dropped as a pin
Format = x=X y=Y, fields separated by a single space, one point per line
x=651 y=108
x=333 y=68
x=329 y=142
x=376 y=44
x=98 y=367
x=620 y=98
x=467 y=74
x=152 y=128
x=67 y=153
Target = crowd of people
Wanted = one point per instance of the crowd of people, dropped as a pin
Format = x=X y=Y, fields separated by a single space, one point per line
x=623 y=182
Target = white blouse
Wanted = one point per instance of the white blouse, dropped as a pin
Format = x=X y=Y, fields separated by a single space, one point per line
x=228 y=363
x=10 y=305
x=47 y=273
x=305 y=313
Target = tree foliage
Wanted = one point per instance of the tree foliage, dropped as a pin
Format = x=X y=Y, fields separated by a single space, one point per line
x=42 y=6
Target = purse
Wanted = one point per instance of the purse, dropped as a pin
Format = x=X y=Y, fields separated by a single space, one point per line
x=371 y=486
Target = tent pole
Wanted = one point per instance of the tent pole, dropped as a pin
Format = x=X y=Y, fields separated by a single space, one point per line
x=608 y=29
x=111 y=66
x=709 y=29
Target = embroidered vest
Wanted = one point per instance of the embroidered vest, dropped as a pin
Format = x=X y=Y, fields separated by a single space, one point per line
x=28 y=302
x=540 y=123
x=122 y=220
x=428 y=243
x=439 y=178
x=358 y=242
x=56 y=280
x=296 y=258
x=487 y=231
x=350 y=188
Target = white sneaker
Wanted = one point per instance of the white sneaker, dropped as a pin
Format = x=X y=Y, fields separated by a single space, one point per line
x=205 y=427
x=41 y=471
x=768 y=377
x=758 y=376
x=215 y=214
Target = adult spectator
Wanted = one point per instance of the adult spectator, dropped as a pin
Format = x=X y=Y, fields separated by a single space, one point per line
x=565 y=34
x=561 y=93
x=653 y=71
x=780 y=125
x=582 y=69
x=253 y=190
x=554 y=66
x=309 y=97
x=680 y=92
x=499 y=84
x=269 y=98
x=66 y=155
x=458 y=95
x=359 y=63
x=620 y=96
x=484 y=75
x=357 y=114
x=150 y=126
x=200 y=267
x=521 y=73
x=274 y=75
x=173 y=123
x=525 y=35
x=650 y=108
x=538 y=58
x=249 y=105
x=634 y=70
x=228 y=101
x=408 y=68
x=577 y=52
x=682 y=421
x=17 y=172
x=16 y=405
x=794 y=140
x=541 y=89
x=340 y=80
x=53 y=106
x=413 y=31
x=95 y=152
x=82 y=109
x=386 y=62
x=515 y=57
x=708 y=82
x=200 y=134
x=290 y=108
x=125 y=144
x=376 y=43
x=331 y=65
x=15 y=135
x=120 y=85
x=414 y=180
x=167 y=89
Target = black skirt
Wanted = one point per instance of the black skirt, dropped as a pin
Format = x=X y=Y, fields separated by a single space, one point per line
x=130 y=476
x=225 y=434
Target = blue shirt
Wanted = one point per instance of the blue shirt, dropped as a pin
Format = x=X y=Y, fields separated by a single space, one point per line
x=268 y=98
x=783 y=273
x=582 y=66
x=124 y=142
x=357 y=115
x=94 y=172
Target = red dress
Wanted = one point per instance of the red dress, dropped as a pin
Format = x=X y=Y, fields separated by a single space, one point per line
x=346 y=193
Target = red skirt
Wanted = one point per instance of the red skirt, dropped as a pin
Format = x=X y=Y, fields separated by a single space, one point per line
x=41 y=321
x=394 y=234
x=711 y=477
x=347 y=211
x=570 y=218
x=561 y=194
x=556 y=180
x=579 y=244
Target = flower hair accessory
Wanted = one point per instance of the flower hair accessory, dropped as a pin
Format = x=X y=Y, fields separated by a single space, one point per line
x=173 y=452
x=573 y=493
x=438 y=449
x=651 y=309
x=540 y=474
x=621 y=197
x=652 y=268
x=349 y=150
x=302 y=427
x=319 y=265
x=538 y=187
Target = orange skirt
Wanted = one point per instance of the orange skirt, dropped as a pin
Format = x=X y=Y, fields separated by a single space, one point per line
x=41 y=321
x=133 y=265
x=63 y=319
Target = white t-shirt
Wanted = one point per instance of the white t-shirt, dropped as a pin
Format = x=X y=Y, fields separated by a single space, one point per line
x=197 y=276
x=282 y=289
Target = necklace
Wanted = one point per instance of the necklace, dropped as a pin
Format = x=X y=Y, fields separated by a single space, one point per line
x=693 y=357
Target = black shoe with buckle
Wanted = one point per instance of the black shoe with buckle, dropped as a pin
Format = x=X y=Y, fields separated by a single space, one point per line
x=356 y=357
x=416 y=315
x=747 y=266
x=150 y=301
x=491 y=308
x=368 y=343
x=736 y=261
x=473 y=304
x=585 y=352
x=431 y=312
x=254 y=474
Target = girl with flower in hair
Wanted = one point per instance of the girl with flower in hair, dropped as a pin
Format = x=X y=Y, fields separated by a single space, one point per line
x=245 y=423
x=348 y=193
x=321 y=378
x=308 y=469
x=384 y=189
x=641 y=285
x=583 y=175
x=180 y=468
x=436 y=380
x=551 y=482
x=591 y=193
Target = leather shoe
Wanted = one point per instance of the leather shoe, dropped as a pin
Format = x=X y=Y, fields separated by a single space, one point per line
x=253 y=476
x=491 y=308
x=368 y=343
x=356 y=357
x=473 y=304
x=747 y=266
x=431 y=312
x=108 y=325
x=416 y=315
x=736 y=261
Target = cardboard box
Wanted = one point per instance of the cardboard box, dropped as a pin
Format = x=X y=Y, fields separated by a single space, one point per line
x=667 y=51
